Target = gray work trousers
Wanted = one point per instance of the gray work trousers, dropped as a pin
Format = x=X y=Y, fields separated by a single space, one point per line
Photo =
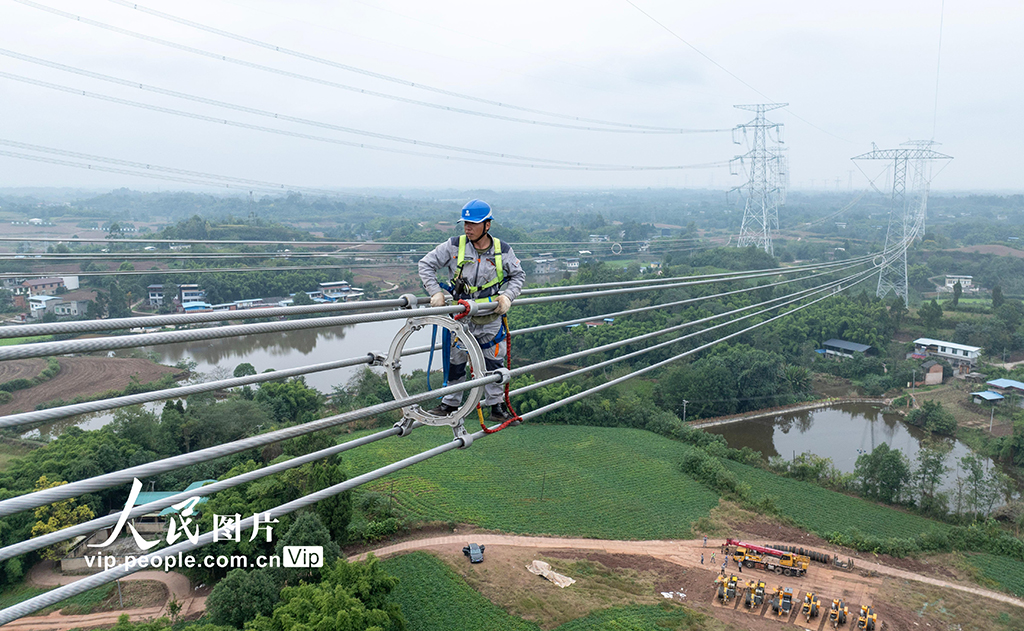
x=494 y=358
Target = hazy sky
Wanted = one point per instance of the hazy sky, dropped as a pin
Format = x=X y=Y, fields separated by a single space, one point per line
x=856 y=73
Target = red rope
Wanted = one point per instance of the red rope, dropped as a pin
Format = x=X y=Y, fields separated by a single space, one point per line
x=459 y=316
x=508 y=402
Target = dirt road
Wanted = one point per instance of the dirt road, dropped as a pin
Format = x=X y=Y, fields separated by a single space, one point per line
x=687 y=553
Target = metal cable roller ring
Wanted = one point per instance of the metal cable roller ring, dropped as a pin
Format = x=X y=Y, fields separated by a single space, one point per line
x=393 y=370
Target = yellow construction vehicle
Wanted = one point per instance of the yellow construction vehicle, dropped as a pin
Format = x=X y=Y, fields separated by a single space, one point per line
x=769 y=559
x=755 y=594
x=838 y=614
x=867 y=619
x=812 y=606
x=782 y=602
x=726 y=588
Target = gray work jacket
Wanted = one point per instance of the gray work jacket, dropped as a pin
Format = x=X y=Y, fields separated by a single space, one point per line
x=479 y=269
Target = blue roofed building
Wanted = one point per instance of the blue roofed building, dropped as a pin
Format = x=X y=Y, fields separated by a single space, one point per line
x=987 y=396
x=1009 y=388
x=155 y=521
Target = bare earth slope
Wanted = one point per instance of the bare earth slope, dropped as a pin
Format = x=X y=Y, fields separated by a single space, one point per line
x=78 y=376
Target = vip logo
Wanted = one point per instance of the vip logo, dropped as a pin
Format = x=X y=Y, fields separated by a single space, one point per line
x=303 y=556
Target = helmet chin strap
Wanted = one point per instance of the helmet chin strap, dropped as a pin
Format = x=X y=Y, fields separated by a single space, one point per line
x=486 y=233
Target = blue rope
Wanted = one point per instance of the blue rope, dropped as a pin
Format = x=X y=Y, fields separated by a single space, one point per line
x=430 y=358
x=446 y=353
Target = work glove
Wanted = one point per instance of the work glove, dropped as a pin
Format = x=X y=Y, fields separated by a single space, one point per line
x=504 y=303
x=437 y=300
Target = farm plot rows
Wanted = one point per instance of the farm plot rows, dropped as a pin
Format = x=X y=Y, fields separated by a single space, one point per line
x=823 y=511
x=1007 y=573
x=560 y=480
x=432 y=596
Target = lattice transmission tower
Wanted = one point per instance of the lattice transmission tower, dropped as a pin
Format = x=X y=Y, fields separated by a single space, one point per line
x=767 y=174
x=907 y=211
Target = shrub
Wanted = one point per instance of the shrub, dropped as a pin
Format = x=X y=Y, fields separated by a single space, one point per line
x=933 y=417
x=377 y=530
x=16 y=384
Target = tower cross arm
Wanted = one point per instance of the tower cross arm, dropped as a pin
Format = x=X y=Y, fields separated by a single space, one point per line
x=902 y=154
x=764 y=107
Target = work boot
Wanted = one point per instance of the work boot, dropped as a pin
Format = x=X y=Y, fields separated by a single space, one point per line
x=442 y=410
x=500 y=413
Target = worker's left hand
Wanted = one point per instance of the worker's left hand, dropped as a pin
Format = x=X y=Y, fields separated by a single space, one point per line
x=504 y=303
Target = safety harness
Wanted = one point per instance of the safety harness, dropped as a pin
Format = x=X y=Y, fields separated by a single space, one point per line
x=459 y=284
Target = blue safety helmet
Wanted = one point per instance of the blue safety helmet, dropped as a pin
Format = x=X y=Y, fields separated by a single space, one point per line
x=476 y=211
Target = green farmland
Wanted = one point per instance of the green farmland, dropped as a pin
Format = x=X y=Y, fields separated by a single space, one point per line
x=823 y=511
x=596 y=482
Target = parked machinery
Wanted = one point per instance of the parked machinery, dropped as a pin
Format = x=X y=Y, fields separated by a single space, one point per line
x=782 y=602
x=755 y=594
x=786 y=563
x=812 y=606
x=867 y=618
x=838 y=614
x=726 y=588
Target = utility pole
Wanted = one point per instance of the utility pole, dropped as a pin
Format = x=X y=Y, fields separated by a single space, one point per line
x=906 y=214
x=762 y=189
x=991 y=417
x=684 y=410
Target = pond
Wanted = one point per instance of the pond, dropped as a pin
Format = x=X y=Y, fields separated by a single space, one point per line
x=840 y=432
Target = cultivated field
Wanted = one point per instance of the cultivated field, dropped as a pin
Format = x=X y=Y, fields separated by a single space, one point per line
x=21 y=369
x=80 y=376
x=536 y=479
x=823 y=511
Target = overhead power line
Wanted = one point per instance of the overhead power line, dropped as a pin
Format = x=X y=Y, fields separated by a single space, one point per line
x=153 y=175
x=537 y=163
x=192 y=176
x=705 y=56
x=377 y=75
x=202 y=270
x=349 y=88
x=283 y=117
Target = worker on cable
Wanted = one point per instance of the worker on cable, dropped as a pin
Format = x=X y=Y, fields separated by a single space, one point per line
x=485 y=269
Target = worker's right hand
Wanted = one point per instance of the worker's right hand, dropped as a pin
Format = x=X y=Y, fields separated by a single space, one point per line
x=437 y=300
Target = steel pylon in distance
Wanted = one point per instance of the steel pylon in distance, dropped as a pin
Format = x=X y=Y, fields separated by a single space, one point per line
x=765 y=173
x=906 y=213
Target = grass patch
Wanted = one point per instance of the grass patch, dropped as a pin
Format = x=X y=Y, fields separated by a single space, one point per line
x=134 y=595
x=823 y=511
x=10 y=451
x=11 y=341
x=14 y=594
x=561 y=480
x=84 y=603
